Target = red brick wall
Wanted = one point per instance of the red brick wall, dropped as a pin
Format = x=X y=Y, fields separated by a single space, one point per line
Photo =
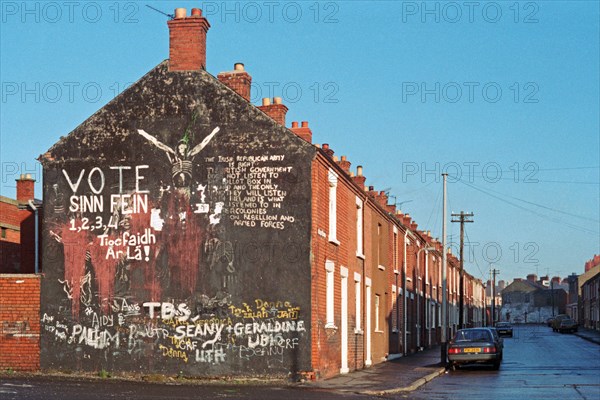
x=326 y=343
x=19 y=322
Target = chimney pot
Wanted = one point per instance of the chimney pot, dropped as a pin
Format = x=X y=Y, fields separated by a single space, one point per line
x=196 y=12
x=180 y=13
x=238 y=67
x=266 y=101
x=305 y=124
x=277 y=100
x=371 y=188
x=335 y=158
x=294 y=124
x=344 y=158
x=359 y=170
x=325 y=146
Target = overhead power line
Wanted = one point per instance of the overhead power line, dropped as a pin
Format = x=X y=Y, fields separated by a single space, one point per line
x=552 y=219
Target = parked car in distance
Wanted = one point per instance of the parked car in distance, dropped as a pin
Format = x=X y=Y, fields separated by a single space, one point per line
x=567 y=325
x=557 y=320
x=475 y=345
x=550 y=321
x=504 y=329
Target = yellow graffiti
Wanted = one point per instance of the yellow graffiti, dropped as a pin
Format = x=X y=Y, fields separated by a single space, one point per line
x=171 y=353
x=290 y=313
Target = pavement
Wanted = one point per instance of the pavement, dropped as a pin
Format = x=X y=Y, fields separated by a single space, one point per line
x=403 y=374
x=588 y=334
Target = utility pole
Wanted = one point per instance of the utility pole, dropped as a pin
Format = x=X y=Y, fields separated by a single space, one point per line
x=552 y=295
x=463 y=218
x=494 y=273
x=484 y=305
x=444 y=278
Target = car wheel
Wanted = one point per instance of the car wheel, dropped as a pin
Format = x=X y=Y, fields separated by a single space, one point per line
x=496 y=366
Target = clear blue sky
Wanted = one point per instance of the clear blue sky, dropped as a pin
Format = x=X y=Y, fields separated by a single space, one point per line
x=399 y=87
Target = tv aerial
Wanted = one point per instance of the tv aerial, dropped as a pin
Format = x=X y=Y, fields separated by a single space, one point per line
x=171 y=16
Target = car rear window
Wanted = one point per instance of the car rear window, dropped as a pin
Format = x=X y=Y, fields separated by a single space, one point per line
x=475 y=335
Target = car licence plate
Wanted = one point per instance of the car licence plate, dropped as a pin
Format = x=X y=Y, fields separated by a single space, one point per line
x=472 y=350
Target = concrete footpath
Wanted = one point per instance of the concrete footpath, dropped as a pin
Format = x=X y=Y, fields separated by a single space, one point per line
x=404 y=374
x=589 y=335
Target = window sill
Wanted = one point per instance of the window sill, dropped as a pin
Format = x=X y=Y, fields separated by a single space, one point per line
x=330 y=325
x=360 y=255
x=381 y=267
x=358 y=331
x=334 y=241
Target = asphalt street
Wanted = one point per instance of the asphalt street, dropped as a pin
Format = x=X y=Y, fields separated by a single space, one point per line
x=538 y=364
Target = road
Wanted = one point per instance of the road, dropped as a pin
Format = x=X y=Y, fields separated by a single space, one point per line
x=47 y=388
x=538 y=364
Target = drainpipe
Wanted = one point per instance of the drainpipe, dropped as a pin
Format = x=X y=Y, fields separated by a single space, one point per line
x=427 y=325
x=37 y=239
x=404 y=294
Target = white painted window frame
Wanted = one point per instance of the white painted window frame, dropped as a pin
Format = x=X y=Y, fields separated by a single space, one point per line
x=333 y=183
x=330 y=292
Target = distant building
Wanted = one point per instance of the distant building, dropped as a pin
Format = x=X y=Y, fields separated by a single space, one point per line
x=572 y=299
x=592 y=263
x=528 y=301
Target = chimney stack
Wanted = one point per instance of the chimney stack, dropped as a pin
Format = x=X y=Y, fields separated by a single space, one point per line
x=359 y=179
x=277 y=110
x=238 y=80
x=187 y=40
x=25 y=188
x=304 y=131
x=345 y=164
x=327 y=150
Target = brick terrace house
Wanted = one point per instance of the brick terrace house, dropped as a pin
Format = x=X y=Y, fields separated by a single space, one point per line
x=187 y=230
x=589 y=294
x=19 y=286
x=17 y=229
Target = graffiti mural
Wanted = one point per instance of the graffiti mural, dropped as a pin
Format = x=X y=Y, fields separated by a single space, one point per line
x=177 y=242
x=179 y=331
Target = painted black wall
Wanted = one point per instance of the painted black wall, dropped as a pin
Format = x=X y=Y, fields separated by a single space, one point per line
x=177 y=236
